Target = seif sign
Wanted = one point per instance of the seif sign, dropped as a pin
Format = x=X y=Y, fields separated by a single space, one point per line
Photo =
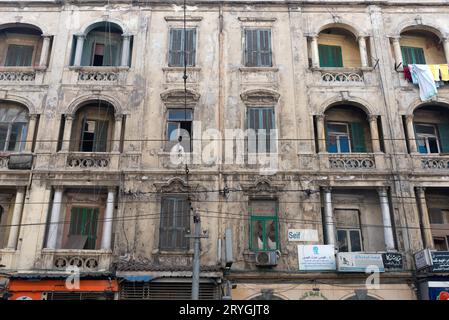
x=303 y=235
x=316 y=257
x=359 y=261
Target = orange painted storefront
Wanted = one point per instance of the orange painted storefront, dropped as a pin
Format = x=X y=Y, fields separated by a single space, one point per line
x=32 y=289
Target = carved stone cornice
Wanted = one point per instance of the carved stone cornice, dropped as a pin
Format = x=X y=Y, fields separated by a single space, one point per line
x=262 y=187
x=260 y=96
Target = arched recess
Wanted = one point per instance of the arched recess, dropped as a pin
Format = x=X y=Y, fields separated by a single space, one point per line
x=343 y=99
x=99 y=22
x=341 y=25
x=81 y=101
x=417 y=24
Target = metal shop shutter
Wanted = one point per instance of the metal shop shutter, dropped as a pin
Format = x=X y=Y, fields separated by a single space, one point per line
x=166 y=291
x=77 y=296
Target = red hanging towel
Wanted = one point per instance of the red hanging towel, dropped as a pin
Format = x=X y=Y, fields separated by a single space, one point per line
x=407 y=74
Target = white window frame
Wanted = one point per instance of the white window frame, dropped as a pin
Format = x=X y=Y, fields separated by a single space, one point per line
x=426 y=136
x=338 y=135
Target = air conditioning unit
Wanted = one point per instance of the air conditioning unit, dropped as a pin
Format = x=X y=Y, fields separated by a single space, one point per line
x=266 y=258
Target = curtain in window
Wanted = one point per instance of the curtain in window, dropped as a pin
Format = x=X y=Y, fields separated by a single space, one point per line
x=330 y=56
x=19 y=56
x=112 y=48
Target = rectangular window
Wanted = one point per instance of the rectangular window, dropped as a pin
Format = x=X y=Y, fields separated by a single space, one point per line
x=263 y=225
x=411 y=55
x=83 y=228
x=438 y=216
x=175 y=221
x=261 y=120
x=338 y=137
x=258 y=48
x=349 y=237
x=94 y=136
x=441 y=243
x=427 y=138
x=179 y=123
x=181 y=42
x=330 y=56
x=19 y=56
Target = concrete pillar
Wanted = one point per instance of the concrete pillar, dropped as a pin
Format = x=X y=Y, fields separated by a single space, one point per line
x=45 y=51
x=446 y=48
x=16 y=218
x=397 y=52
x=386 y=219
x=30 y=133
x=315 y=55
x=55 y=218
x=374 y=129
x=363 y=52
x=79 y=49
x=411 y=133
x=425 y=220
x=117 y=133
x=125 y=49
x=107 y=224
x=329 y=217
x=321 y=133
x=67 y=132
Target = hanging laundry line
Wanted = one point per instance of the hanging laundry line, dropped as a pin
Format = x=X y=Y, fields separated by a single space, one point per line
x=428 y=77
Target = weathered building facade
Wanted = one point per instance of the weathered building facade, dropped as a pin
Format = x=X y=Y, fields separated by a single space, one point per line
x=92 y=95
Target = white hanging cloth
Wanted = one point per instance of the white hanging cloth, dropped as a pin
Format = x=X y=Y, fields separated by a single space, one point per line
x=426 y=82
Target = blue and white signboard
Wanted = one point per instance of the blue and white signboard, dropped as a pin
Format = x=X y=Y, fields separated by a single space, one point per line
x=359 y=262
x=316 y=258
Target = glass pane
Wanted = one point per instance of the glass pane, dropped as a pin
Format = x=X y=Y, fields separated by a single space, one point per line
x=436 y=216
x=263 y=208
x=332 y=144
x=3 y=134
x=344 y=144
x=17 y=137
x=342 y=241
x=356 y=243
x=172 y=131
x=433 y=145
x=425 y=129
x=337 y=128
x=445 y=215
x=440 y=244
x=257 y=235
x=180 y=114
x=422 y=148
x=270 y=229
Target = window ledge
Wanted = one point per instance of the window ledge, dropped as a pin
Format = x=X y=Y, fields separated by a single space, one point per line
x=181 y=69
x=105 y=68
x=76 y=251
x=341 y=69
x=258 y=69
x=173 y=253
x=22 y=69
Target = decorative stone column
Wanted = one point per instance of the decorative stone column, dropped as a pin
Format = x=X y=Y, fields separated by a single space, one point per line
x=45 y=51
x=446 y=48
x=386 y=219
x=52 y=238
x=79 y=49
x=363 y=52
x=411 y=133
x=425 y=220
x=321 y=131
x=16 y=218
x=107 y=224
x=397 y=52
x=30 y=133
x=315 y=54
x=117 y=133
x=329 y=217
x=125 y=49
x=374 y=130
x=67 y=132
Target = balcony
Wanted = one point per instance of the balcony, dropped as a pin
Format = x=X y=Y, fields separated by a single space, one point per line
x=430 y=163
x=98 y=75
x=21 y=75
x=350 y=161
x=85 y=260
x=7 y=258
x=352 y=77
x=79 y=161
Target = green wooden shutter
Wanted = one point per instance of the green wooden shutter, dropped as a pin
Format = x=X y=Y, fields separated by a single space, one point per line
x=83 y=125
x=190 y=47
x=443 y=130
x=251 y=48
x=111 y=55
x=175 y=50
x=330 y=56
x=84 y=221
x=264 y=48
x=86 y=57
x=101 y=136
x=358 y=137
x=19 y=56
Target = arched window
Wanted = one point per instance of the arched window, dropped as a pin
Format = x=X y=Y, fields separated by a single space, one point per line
x=13 y=127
